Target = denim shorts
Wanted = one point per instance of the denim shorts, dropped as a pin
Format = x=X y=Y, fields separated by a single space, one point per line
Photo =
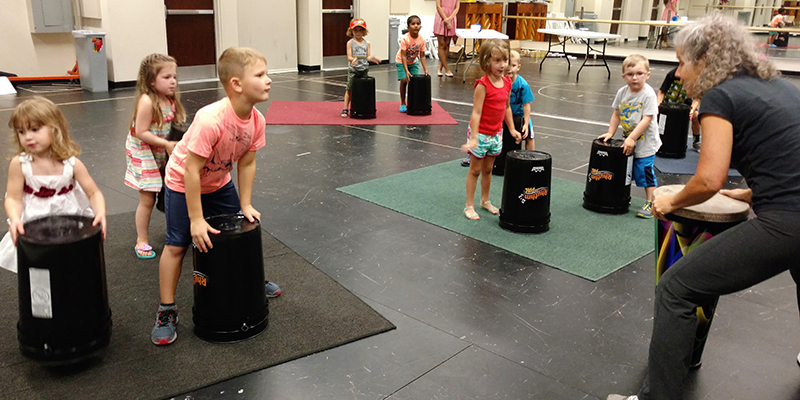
x=643 y=172
x=179 y=228
x=488 y=145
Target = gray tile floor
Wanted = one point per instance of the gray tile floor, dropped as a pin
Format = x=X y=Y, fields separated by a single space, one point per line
x=473 y=321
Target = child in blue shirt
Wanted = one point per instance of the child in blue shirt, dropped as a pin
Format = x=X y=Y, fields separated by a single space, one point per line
x=521 y=98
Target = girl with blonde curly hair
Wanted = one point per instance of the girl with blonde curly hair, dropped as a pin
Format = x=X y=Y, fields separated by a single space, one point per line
x=750 y=118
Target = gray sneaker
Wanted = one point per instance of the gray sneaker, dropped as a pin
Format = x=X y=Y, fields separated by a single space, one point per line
x=165 y=330
x=696 y=146
x=272 y=289
x=645 y=212
x=620 y=397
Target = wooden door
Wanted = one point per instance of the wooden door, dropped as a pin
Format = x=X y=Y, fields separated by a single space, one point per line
x=190 y=32
x=616 y=14
x=336 y=16
x=653 y=17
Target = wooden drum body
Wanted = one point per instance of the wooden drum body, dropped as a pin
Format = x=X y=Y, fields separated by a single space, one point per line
x=688 y=228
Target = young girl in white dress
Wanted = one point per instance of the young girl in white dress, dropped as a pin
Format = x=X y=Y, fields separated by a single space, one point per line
x=45 y=178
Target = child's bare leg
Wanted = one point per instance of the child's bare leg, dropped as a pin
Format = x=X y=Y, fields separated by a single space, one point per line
x=475 y=167
x=403 y=84
x=649 y=191
x=169 y=270
x=486 y=178
x=143 y=211
x=530 y=144
x=486 y=184
x=346 y=100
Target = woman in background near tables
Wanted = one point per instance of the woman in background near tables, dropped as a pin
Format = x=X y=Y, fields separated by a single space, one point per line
x=444 y=27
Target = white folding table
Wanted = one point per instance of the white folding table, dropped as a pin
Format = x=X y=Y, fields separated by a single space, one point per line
x=476 y=37
x=580 y=34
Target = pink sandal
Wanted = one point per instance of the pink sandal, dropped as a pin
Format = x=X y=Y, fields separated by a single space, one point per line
x=145 y=248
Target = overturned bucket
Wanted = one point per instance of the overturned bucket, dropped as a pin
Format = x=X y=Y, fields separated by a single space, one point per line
x=230 y=303
x=64 y=316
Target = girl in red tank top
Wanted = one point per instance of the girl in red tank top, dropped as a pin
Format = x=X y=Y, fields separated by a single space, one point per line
x=490 y=107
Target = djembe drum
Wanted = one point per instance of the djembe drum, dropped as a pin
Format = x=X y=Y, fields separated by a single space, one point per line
x=688 y=228
x=230 y=302
x=64 y=316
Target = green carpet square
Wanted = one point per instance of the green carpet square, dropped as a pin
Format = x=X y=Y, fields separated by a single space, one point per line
x=581 y=242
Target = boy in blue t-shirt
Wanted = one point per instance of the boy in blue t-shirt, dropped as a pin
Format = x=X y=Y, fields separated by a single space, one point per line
x=521 y=98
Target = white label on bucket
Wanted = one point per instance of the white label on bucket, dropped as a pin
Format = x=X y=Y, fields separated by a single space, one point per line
x=629 y=171
x=662 y=123
x=41 y=299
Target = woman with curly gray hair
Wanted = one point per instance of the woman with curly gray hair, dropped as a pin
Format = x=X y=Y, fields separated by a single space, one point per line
x=750 y=117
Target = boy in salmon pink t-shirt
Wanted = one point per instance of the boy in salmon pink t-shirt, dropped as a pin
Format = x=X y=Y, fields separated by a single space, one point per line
x=198 y=179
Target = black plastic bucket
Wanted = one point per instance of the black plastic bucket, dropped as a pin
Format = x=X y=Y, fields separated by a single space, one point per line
x=419 y=95
x=526 y=191
x=608 y=182
x=64 y=316
x=362 y=98
x=676 y=129
x=509 y=144
x=230 y=302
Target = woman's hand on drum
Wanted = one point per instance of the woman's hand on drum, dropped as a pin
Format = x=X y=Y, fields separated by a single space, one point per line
x=744 y=195
x=200 y=229
x=662 y=205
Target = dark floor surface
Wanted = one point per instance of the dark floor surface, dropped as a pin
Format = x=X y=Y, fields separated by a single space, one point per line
x=473 y=321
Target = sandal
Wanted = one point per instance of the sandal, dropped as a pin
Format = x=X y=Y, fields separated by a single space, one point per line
x=449 y=74
x=145 y=248
x=486 y=205
x=471 y=214
x=345 y=113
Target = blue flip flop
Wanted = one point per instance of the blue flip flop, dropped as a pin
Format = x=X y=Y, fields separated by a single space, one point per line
x=146 y=247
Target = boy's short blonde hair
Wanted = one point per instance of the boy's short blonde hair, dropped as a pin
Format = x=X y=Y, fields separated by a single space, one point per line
x=634 y=60
x=514 y=56
x=488 y=48
x=234 y=60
